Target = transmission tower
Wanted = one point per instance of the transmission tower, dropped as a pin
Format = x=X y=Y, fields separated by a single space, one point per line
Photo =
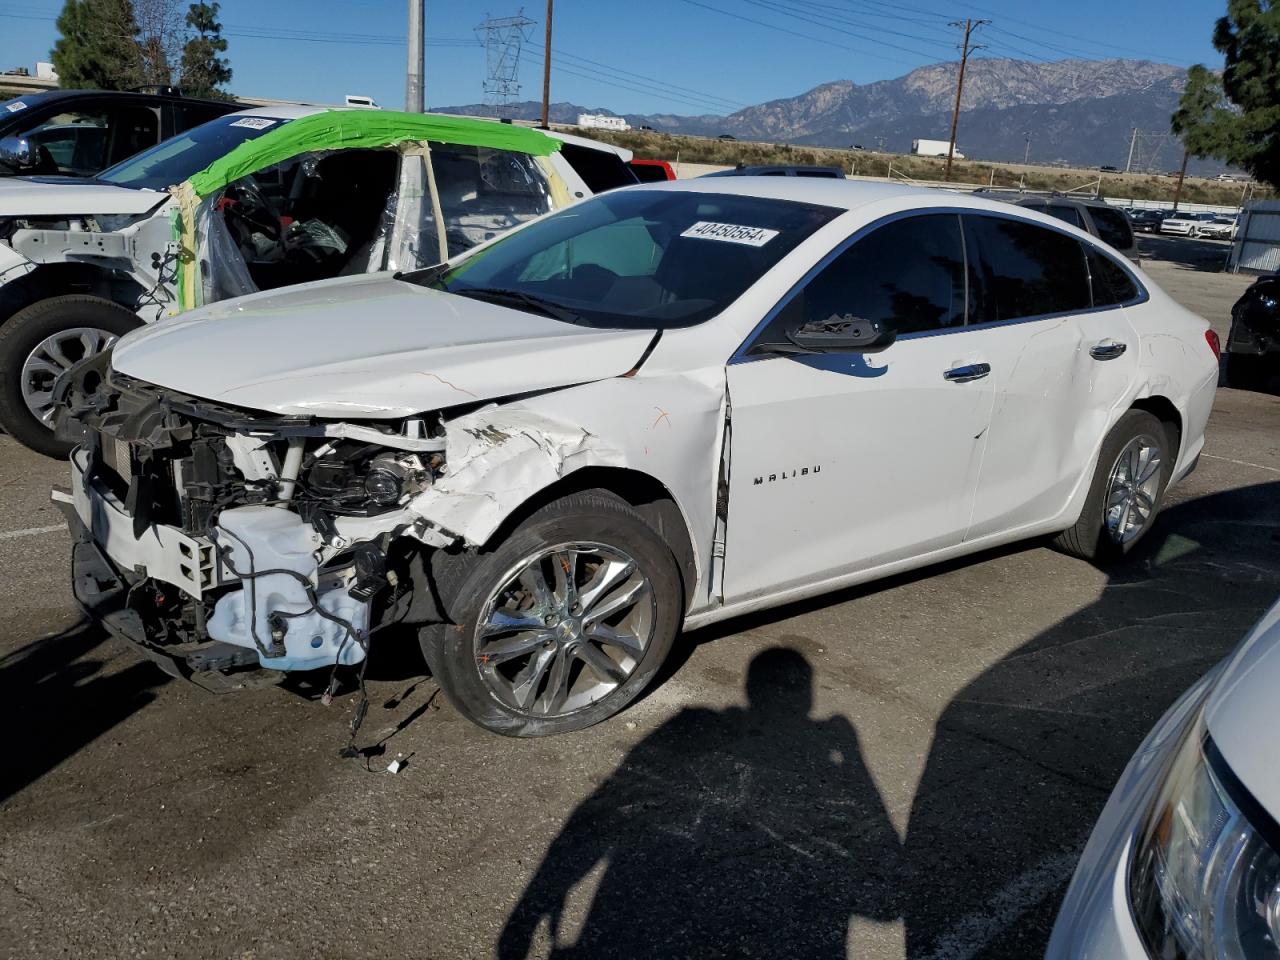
x=503 y=38
x=1145 y=149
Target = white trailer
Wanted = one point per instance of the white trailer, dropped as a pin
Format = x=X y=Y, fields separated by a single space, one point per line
x=602 y=121
x=933 y=148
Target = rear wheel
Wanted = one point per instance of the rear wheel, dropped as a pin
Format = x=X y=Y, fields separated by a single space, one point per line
x=562 y=624
x=40 y=343
x=1128 y=486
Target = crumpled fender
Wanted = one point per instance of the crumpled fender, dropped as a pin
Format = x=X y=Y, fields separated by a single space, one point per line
x=497 y=458
x=13 y=264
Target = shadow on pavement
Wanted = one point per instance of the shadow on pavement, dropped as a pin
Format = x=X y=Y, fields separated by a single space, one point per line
x=1024 y=757
x=1205 y=256
x=55 y=699
x=742 y=832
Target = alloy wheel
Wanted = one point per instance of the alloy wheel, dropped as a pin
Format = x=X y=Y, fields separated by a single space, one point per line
x=1132 y=488
x=566 y=626
x=52 y=357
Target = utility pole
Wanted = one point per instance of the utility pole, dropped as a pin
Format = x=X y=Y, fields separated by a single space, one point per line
x=1026 y=154
x=546 y=70
x=969 y=26
x=413 y=99
x=1133 y=142
x=1177 y=192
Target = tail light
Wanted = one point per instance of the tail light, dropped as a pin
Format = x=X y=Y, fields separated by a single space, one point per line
x=1214 y=344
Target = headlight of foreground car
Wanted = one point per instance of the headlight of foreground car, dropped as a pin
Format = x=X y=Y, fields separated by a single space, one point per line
x=1204 y=883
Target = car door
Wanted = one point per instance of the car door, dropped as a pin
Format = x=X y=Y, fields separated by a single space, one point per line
x=842 y=462
x=1059 y=365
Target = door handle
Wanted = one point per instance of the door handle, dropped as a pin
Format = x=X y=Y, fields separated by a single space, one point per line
x=1108 y=350
x=972 y=371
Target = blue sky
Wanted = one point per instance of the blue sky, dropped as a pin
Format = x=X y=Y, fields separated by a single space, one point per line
x=653 y=56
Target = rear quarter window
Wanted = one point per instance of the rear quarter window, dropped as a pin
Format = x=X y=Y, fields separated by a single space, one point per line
x=1112 y=284
x=600 y=170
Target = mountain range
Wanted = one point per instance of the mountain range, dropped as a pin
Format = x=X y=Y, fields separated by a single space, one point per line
x=1075 y=112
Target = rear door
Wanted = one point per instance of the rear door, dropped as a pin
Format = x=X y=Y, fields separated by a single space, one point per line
x=1060 y=366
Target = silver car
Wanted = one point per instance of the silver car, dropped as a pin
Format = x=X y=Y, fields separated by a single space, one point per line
x=1185 y=860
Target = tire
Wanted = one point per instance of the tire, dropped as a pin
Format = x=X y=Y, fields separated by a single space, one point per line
x=489 y=684
x=1092 y=537
x=30 y=328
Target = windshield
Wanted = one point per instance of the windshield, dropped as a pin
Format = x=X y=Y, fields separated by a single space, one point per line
x=179 y=157
x=637 y=258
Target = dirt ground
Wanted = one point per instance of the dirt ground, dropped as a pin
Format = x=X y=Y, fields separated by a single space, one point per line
x=905 y=769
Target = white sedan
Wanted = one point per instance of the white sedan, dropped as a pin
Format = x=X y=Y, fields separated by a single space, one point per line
x=1219 y=228
x=1185 y=860
x=663 y=407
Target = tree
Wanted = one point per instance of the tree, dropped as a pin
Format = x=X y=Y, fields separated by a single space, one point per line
x=203 y=70
x=162 y=31
x=1236 y=118
x=98 y=46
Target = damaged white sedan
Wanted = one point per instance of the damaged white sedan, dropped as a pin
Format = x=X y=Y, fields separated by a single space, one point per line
x=665 y=406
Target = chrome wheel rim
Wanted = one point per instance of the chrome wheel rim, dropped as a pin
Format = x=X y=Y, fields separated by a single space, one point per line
x=1132 y=489
x=567 y=626
x=52 y=357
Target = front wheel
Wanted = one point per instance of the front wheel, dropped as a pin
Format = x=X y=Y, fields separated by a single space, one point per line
x=1134 y=467
x=37 y=345
x=562 y=624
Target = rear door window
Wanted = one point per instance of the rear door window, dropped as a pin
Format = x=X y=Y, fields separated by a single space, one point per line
x=485 y=192
x=1027 y=270
x=600 y=170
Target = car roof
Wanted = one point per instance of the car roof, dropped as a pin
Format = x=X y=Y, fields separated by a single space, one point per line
x=280 y=111
x=47 y=96
x=830 y=192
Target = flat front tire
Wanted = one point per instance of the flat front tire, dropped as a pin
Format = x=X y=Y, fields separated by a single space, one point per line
x=561 y=624
x=1134 y=467
x=37 y=345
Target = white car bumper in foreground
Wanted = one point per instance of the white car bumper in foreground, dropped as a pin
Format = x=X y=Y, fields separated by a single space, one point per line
x=1095 y=921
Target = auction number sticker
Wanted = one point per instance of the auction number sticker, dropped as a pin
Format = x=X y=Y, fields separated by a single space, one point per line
x=15 y=107
x=253 y=123
x=731 y=233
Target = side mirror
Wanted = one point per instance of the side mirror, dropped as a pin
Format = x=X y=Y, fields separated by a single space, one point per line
x=19 y=152
x=847 y=334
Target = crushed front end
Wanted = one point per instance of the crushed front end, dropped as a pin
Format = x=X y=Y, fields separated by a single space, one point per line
x=217 y=538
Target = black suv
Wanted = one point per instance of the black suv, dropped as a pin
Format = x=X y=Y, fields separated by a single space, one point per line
x=77 y=133
x=1109 y=224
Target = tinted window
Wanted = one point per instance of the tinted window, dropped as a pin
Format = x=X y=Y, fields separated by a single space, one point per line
x=1112 y=283
x=600 y=170
x=1113 y=227
x=1066 y=214
x=1027 y=270
x=909 y=274
x=638 y=258
x=179 y=157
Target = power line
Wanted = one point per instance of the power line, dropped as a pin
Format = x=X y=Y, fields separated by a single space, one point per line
x=796 y=33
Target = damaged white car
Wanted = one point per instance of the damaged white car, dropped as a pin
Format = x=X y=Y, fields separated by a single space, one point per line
x=254 y=201
x=664 y=406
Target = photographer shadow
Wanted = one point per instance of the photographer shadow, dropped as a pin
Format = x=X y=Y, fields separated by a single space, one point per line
x=751 y=831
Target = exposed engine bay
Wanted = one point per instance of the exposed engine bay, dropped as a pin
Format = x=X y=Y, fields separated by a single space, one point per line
x=251 y=539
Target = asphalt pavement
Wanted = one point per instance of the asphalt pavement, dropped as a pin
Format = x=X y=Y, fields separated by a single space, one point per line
x=904 y=769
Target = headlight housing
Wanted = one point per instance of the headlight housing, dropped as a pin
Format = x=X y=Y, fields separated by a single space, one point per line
x=1205 y=880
